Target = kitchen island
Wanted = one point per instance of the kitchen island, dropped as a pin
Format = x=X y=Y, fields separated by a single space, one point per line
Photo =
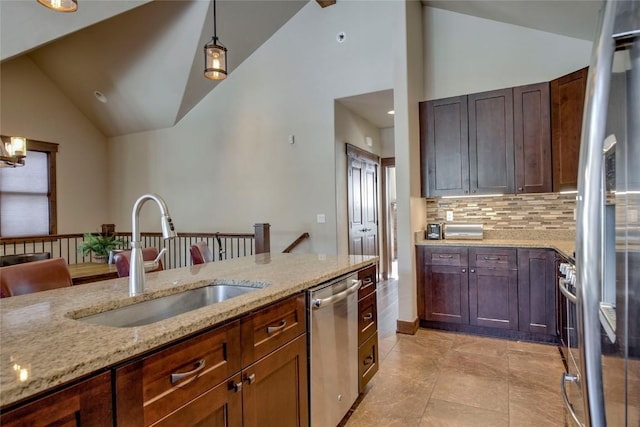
x=40 y=334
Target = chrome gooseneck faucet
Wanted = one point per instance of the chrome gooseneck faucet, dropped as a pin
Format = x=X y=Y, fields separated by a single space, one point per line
x=136 y=265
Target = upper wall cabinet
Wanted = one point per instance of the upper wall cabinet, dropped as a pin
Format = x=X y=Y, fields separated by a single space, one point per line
x=567 y=105
x=444 y=144
x=486 y=143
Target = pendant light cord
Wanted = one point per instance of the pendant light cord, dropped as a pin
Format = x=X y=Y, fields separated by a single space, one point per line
x=215 y=33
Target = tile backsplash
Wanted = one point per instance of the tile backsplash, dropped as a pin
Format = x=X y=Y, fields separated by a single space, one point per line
x=542 y=211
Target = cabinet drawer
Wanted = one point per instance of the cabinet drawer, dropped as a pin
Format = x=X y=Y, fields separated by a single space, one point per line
x=369 y=278
x=454 y=256
x=272 y=327
x=367 y=361
x=493 y=258
x=167 y=380
x=367 y=317
x=220 y=406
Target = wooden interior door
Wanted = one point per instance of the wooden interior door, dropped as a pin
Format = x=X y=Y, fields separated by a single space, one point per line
x=362 y=181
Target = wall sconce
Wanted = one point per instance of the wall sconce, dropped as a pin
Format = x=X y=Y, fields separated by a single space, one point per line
x=60 y=5
x=12 y=153
x=215 y=55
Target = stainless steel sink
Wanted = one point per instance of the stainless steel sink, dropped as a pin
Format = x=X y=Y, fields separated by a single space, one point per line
x=154 y=310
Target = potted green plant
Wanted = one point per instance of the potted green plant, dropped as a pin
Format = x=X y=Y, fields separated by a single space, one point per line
x=100 y=245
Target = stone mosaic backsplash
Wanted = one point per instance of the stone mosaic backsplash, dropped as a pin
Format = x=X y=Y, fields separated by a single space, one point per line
x=543 y=211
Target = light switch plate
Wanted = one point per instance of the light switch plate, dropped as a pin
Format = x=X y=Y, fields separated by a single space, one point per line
x=449 y=215
x=321 y=219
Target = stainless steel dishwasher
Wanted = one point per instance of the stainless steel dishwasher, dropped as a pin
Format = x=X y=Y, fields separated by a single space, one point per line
x=333 y=349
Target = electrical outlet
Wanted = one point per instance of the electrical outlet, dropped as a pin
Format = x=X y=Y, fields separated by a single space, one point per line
x=321 y=219
x=449 y=215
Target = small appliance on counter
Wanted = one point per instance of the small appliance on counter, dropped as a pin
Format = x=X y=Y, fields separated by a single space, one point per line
x=434 y=231
x=463 y=231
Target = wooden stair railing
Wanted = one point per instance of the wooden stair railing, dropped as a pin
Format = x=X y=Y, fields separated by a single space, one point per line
x=296 y=242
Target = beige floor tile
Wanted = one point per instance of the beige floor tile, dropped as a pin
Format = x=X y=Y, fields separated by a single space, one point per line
x=477 y=364
x=366 y=418
x=531 y=347
x=472 y=390
x=480 y=345
x=535 y=407
x=440 y=413
x=535 y=370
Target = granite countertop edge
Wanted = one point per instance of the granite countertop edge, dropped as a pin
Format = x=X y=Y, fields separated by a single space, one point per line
x=564 y=247
x=38 y=331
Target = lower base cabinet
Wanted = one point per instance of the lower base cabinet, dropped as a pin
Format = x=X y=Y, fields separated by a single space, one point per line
x=505 y=292
x=88 y=403
x=211 y=380
x=368 y=362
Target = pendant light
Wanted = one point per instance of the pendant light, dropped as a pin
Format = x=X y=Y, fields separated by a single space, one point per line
x=215 y=55
x=60 y=5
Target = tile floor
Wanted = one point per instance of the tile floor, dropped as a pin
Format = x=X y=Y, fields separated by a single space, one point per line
x=437 y=378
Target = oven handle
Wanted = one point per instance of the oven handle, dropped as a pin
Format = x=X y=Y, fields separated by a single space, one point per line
x=573 y=378
x=566 y=292
x=319 y=303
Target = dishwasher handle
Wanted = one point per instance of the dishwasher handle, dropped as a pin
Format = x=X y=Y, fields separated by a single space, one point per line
x=321 y=302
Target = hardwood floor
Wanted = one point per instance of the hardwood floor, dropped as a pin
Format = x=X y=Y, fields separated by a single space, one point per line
x=438 y=378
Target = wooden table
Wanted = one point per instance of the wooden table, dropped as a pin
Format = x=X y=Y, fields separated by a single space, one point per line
x=92 y=272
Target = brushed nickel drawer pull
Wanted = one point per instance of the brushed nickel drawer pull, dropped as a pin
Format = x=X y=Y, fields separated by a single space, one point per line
x=177 y=377
x=272 y=329
x=492 y=258
x=236 y=387
x=368 y=360
x=368 y=316
x=251 y=378
x=445 y=256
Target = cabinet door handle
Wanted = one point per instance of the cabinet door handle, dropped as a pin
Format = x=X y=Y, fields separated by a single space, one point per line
x=180 y=376
x=236 y=387
x=492 y=258
x=367 y=316
x=472 y=270
x=367 y=360
x=272 y=329
x=464 y=270
x=445 y=256
x=250 y=378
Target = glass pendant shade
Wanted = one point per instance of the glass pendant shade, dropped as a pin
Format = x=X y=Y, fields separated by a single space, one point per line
x=60 y=5
x=215 y=60
x=12 y=153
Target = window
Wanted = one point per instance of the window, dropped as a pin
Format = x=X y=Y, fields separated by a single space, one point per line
x=28 y=193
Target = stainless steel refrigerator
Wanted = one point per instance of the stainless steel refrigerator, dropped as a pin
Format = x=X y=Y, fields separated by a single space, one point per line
x=605 y=390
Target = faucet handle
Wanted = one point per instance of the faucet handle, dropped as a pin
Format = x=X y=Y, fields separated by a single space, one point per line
x=159 y=255
x=152 y=265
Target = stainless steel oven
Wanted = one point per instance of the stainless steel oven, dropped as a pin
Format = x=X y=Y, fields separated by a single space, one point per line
x=570 y=383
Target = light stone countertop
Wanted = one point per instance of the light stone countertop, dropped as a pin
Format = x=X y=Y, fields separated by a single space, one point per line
x=564 y=247
x=37 y=332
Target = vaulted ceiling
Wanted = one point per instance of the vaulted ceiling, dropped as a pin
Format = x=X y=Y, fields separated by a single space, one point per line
x=144 y=57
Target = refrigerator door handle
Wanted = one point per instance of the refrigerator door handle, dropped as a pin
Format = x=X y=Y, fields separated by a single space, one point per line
x=563 y=386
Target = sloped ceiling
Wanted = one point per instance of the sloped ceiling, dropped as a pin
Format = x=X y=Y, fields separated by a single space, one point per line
x=148 y=61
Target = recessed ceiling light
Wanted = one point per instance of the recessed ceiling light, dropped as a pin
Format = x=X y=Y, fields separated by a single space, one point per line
x=391 y=112
x=100 y=96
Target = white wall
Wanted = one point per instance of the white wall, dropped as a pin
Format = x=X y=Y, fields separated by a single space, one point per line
x=465 y=54
x=388 y=142
x=228 y=163
x=32 y=106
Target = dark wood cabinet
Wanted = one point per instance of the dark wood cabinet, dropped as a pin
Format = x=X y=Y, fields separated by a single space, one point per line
x=444 y=144
x=487 y=143
x=248 y=372
x=567 y=105
x=493 y=288
x=491 y=168
x=275 y=391
x=443 y=290
x=537 y=291
x=88 y=403
x=368 y=362
x=532 y=138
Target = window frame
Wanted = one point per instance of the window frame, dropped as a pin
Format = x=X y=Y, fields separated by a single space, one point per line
x=50 y=149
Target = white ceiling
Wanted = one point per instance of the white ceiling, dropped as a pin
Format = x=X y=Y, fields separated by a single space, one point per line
x=146 y=56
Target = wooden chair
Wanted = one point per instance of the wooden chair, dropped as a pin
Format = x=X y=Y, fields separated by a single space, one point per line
x=200 y=253
x=34 y=276
x=121 y=260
